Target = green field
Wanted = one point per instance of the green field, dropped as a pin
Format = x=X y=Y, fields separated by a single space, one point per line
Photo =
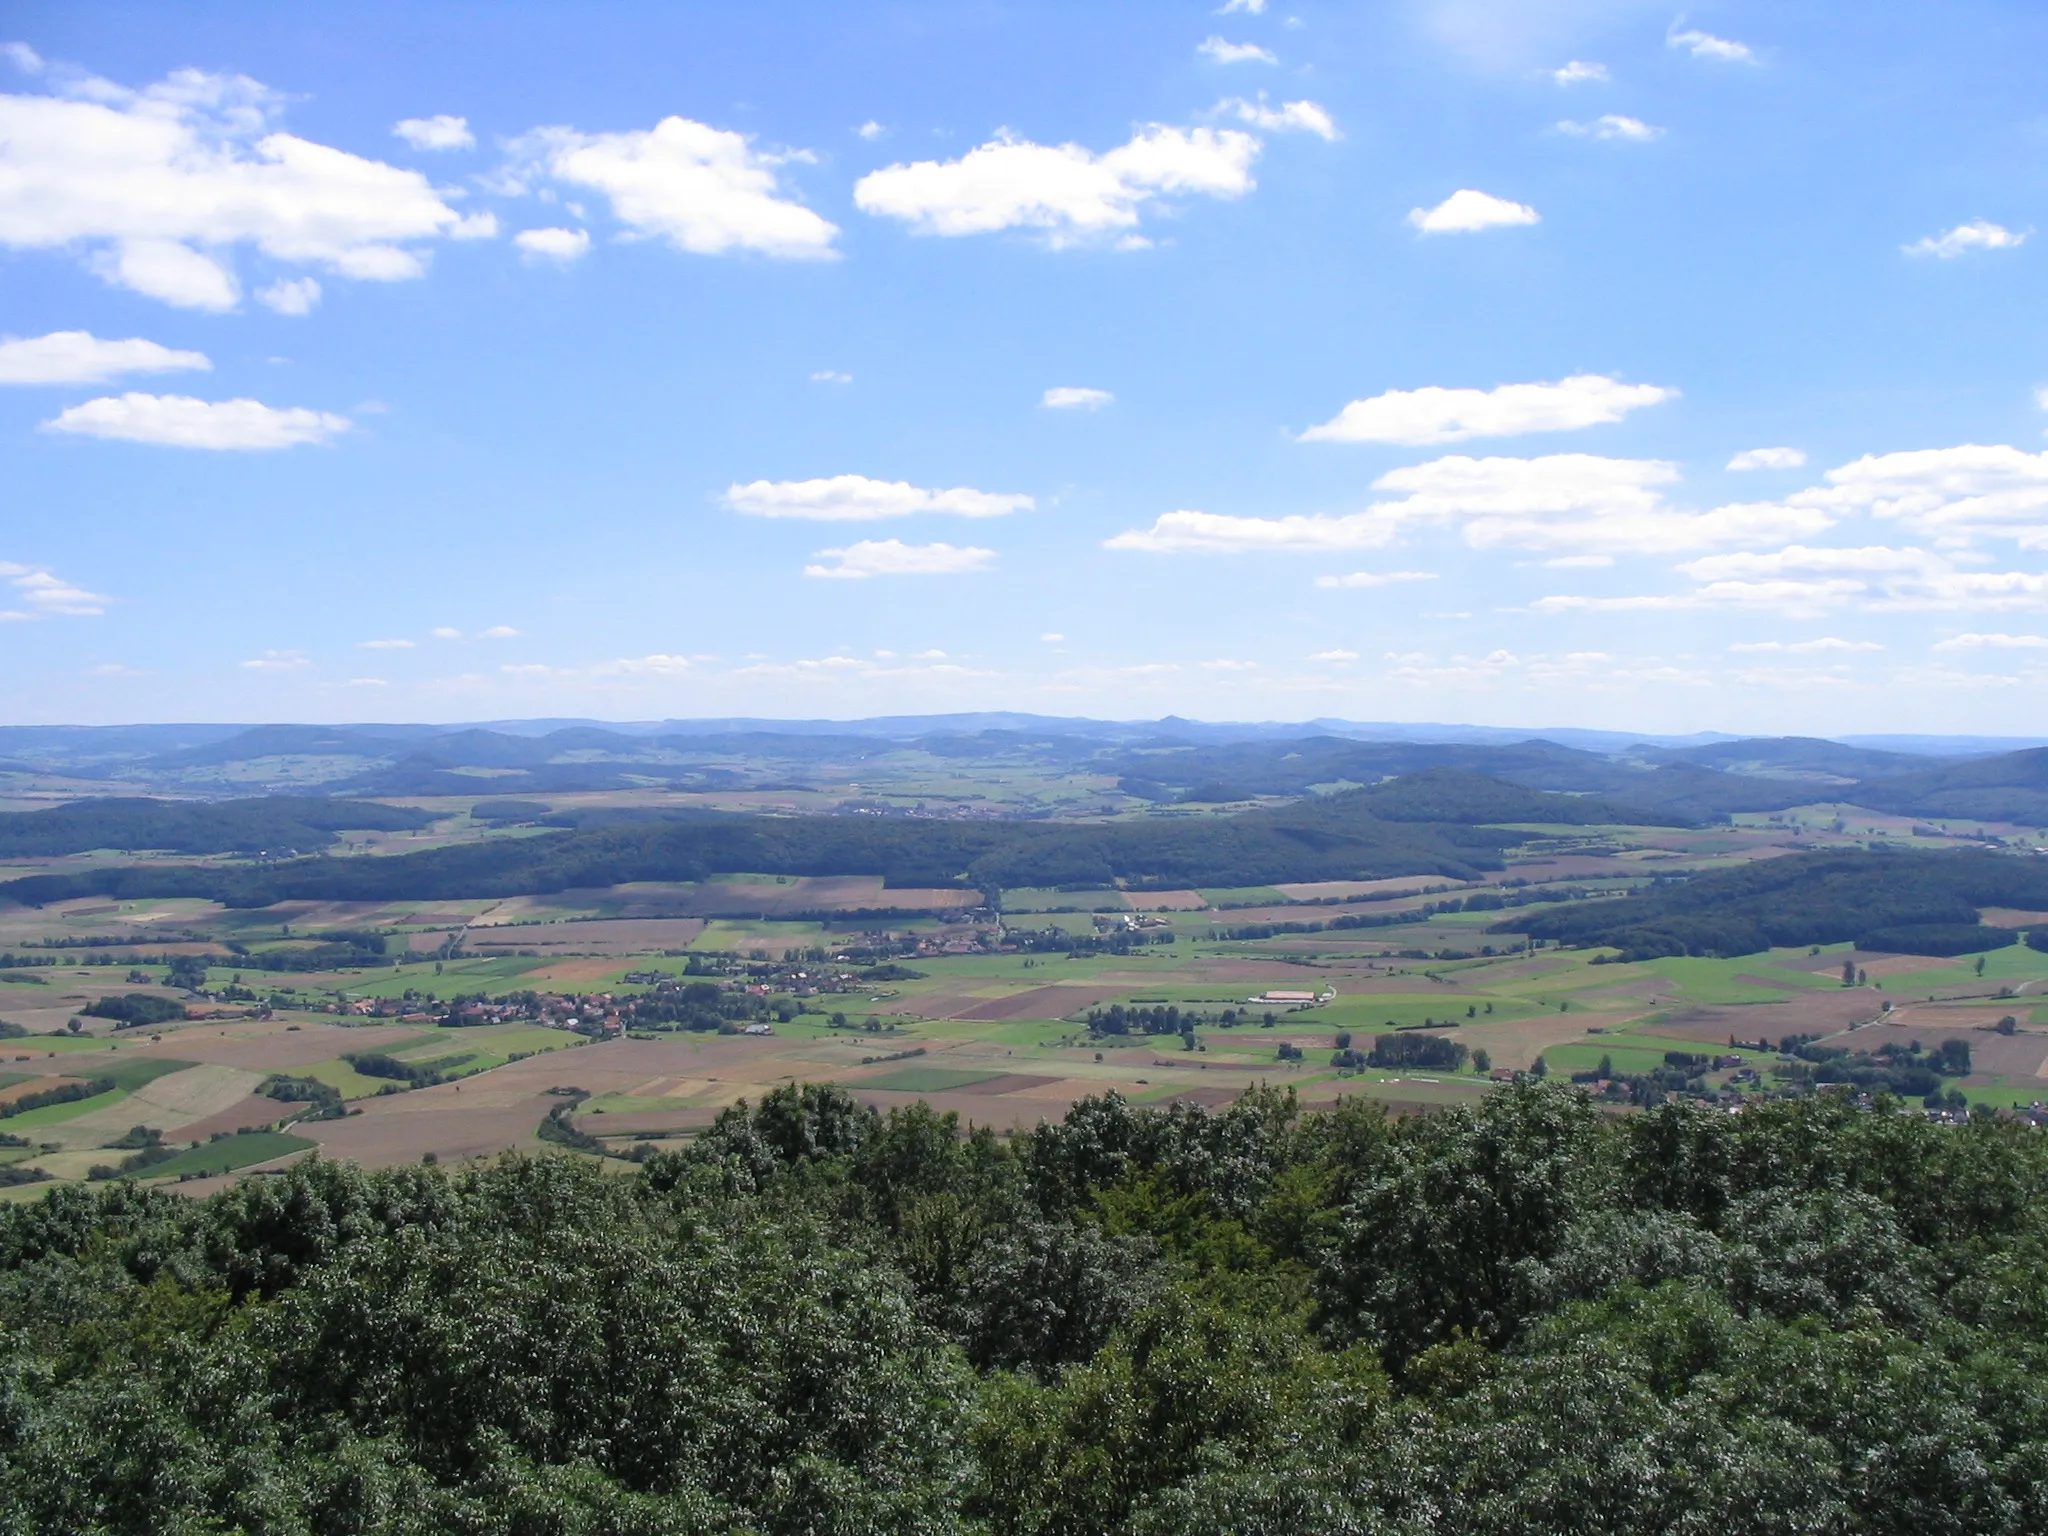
x=227 y=1154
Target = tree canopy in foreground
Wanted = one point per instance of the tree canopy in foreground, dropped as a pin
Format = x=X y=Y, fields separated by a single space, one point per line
x=1518 y=1317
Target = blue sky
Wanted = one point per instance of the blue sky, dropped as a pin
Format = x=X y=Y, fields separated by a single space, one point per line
x=1565 y=363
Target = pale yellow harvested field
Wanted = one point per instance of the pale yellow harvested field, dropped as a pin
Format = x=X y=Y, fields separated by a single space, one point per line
x=169 y=1104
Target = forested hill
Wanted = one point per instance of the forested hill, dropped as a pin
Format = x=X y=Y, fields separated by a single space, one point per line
x=273 y=823
x=1808 y=898
x=1334 y=837
x=1519 y=1317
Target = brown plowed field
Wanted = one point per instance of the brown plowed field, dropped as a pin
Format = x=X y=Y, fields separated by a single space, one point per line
x=254 y=1110
x=1009 y=1082
x=1053 y=1002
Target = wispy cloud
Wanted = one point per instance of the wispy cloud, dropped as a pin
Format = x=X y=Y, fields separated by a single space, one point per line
x=1977 y=235
x=892 y=557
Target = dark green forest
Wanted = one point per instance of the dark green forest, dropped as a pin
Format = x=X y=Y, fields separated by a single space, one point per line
x=1435 y=827
x=1888 y=897
x=1518 y=1317
x=279 y=822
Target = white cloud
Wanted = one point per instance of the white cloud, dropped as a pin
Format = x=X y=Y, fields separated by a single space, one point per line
x=1977 y=235
x=656 y=665
x=1052 y=638
x=156 y=185
x=1228 y=664
x=499 y=632
x=1374 y=578
x=1704 y=45
x=115 y=669
x=1071 y=397
x=1972 y=642
x=871 y=130
x=1437 y=415
x=386 y=645
x=1579 y=563
x=1768 y=458
x=368 y=682
x=1559 y=501
x=1613 y=126
x=179 y=421
x=1290 y=117
x=1579 y=71
x=48 y=595
x=1067 y=191
x=278 y=661
x=1466 y=211
x=892 y=557
x=1952 y=495
x=22 y=57
x=553 y=244
x=856 y=498
x=1337 y=655
x=446 y=632
x=1800 y=581
x=1872 y=560
x=291 y=295
x=1219 y=50
x=1242 y=8
x=1807 y=647
x=703 y=189
x=79 y=357
x=439 y=132
x=827 y=376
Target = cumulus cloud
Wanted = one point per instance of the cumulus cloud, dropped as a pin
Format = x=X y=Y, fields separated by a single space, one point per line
x=157 y=186
x=290 y=295
x=1768 y=458
x=48 y=596
x=1578 y=71
x=1374 y=578
x=1066 y=191
x=1579 y=563
x=856 y=498
x=1954 y=496
x=892 y=557
x=1436 y=415
x=1559 y=501
x=278 y=661
x=1336 y=655
x=1219 y=50
x=1613 y=126
x=1806 y=647
x=1466 y=211
x=704 y=190
x=871 y=130
x=447 y=632
x=1977 y=235
x=1973 y=642
x=79 y=357
x=386 y=645
x=1704 y=45
x=499 y=632
x=439 y=132
x=1070 y=397
x=179 y=421
x=1242 y=8
x=553 y=244
x=1291 y=117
